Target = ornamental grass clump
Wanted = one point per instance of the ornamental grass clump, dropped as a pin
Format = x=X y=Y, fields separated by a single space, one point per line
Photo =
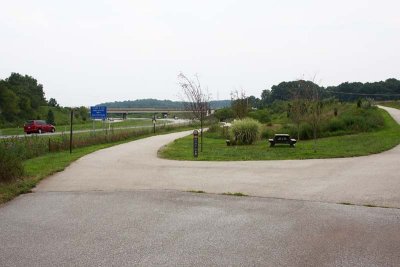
x=244 y=132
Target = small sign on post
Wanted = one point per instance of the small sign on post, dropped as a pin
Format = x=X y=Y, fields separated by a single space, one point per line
x=195 y=143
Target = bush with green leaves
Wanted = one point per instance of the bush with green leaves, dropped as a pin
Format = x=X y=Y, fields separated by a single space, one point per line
x=262 y=115
x=305 y=131
x=335 y=124
x=245 y=131
x=267 y=133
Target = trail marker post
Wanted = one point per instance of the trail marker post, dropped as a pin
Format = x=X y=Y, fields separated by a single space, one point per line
x=195 y=143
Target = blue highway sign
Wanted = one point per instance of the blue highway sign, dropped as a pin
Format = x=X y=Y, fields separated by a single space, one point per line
x=98 y=112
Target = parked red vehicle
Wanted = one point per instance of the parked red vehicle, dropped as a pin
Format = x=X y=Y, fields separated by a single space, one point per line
x=38 y=126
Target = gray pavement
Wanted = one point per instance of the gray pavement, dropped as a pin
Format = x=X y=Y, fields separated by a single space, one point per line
x=123 y=206
x=395 y=113
x=165 y=228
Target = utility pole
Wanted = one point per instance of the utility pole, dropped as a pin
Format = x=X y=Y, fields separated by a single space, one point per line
x=70 y=133
x=154 y=123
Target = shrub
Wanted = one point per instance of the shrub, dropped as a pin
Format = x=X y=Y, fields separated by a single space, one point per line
x=245 y=131
x=363 y=120
x=10 y=164
x=267 y=133
x=224 y=114
x=305 y=131
x=261 y=115
x=335 y=125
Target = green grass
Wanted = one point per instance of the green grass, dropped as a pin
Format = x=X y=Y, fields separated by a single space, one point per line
x=215 y=149
x=236 y=194
x=196 y=191
x=40 y=167
x=391 y=104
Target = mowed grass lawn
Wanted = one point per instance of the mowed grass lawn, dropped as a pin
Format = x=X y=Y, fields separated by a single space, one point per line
x=215 y=149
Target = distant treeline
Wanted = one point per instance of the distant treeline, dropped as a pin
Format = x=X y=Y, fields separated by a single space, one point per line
x=154 y=103
x=285 y=91
x=383 y=90
x=21 y=98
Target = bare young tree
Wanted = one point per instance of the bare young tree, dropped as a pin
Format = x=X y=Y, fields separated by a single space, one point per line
x=195 y=99
x=314 y=108
x=239 y=103
x=297 y=110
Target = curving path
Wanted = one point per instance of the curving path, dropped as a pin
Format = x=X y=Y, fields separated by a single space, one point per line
x=99 y=216
x=369 y=180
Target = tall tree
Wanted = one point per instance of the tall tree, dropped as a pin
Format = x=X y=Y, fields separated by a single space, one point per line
x=266 y=98
x=27 y=86
x=53 y=103
x=9 y=108
x=50 y=117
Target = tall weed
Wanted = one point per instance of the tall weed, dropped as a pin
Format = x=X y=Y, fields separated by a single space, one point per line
x=10 y=163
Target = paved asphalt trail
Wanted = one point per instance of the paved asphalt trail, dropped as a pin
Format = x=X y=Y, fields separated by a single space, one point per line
x=370 y=180
x=123 y=206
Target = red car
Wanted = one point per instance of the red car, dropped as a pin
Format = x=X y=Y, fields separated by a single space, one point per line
x=38 y=126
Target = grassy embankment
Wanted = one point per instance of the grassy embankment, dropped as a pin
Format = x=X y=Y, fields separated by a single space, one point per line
x=391 y=104
x=215 y=148
x=37 y=168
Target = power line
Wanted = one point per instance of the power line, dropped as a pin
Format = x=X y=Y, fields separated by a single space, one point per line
x=361 y=94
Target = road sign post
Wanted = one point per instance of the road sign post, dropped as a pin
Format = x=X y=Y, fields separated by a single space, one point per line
x=195 y=143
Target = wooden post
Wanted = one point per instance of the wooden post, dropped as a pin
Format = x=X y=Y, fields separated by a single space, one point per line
x=70 y=133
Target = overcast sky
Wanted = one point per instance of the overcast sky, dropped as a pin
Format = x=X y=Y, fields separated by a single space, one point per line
x=92 y=51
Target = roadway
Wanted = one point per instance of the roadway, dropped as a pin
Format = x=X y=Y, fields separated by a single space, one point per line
x=167 y=121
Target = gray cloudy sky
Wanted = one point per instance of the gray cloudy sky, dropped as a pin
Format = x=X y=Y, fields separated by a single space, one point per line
x=92 y=51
